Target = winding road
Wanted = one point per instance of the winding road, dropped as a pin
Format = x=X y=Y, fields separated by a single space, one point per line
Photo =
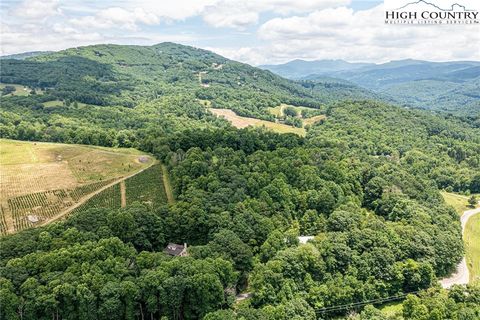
x=461 y=275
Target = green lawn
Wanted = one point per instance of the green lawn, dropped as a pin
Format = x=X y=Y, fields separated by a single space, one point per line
x=457 y=201
x=472 y=246
x=53 y=103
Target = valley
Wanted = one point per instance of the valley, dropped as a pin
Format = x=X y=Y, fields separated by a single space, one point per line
x=450 y=87
x=164 y=181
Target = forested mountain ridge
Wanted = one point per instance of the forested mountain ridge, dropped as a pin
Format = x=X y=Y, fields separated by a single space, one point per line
x=298 y=69
x=25 y=55
x=148 y=72
x=445 y=86
x=95 y=83
x=364 y=182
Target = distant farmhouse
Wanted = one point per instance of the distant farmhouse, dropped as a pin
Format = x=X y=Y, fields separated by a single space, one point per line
x=176 y=250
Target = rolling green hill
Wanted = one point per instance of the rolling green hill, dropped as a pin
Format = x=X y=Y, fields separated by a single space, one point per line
x=159 y=88
x=364 y=182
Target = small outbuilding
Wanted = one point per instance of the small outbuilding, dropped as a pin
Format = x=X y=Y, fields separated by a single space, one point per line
x=32 y=218
x=176 y=250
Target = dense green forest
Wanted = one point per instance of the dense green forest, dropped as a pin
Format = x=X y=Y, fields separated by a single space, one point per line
x=364 y=183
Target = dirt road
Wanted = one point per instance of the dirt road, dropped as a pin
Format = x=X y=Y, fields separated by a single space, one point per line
x=81 y=201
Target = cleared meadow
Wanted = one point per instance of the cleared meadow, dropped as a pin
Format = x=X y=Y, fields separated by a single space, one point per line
x=278 y=112
x=243 y=122
x=39 y=180
x=457 y=201
x=20 y=90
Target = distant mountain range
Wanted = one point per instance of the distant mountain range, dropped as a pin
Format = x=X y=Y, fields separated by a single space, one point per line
x=449 y=86
x=298 y=69
x=25 y=55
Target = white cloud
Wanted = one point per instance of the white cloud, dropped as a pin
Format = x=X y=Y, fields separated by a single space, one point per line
x=342 y=33
x=37 y=9
x=241 y=14
x=238 y=17
x=118 y=18
x=308 y=29
x=132 y=14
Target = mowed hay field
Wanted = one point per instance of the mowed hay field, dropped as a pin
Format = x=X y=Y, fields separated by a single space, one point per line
x=243 y=122
x=40 y=180
x=472 y=246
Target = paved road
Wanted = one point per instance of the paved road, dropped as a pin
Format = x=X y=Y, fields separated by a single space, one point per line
x=461 y=275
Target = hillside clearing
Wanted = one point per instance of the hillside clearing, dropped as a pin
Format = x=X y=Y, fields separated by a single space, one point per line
x=457 y=201
x=60 y=103
x=243 y=122
x=38 y=180
x=20 y=90
x=314 y=119
x=278 y=112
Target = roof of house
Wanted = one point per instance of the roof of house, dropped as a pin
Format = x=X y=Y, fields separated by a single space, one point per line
x=174 y=249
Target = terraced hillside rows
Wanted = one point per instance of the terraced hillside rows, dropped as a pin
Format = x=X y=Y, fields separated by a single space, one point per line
x=38 y=181
x=146 y=187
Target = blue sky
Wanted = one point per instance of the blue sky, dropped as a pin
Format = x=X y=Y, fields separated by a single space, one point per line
x=252 y=31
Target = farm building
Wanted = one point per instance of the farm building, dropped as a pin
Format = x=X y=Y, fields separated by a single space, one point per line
x=177 y=250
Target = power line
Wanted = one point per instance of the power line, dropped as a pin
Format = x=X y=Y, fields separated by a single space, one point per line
x=362 y=303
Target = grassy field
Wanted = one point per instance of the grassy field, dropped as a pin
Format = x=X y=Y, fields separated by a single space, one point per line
x=38 y=180
x=278 y=112
x=457 y=201
x=472 y=247
x=392 y=309
x=312 y=120
x=243 y=122
x=20 y=90
x=59 y=103
x=53 y=104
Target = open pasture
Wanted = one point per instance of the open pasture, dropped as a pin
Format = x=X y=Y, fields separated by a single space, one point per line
x=243 y=122
x=278 y=112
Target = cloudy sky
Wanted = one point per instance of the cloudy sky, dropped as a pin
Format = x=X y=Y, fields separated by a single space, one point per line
x=252 y=31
